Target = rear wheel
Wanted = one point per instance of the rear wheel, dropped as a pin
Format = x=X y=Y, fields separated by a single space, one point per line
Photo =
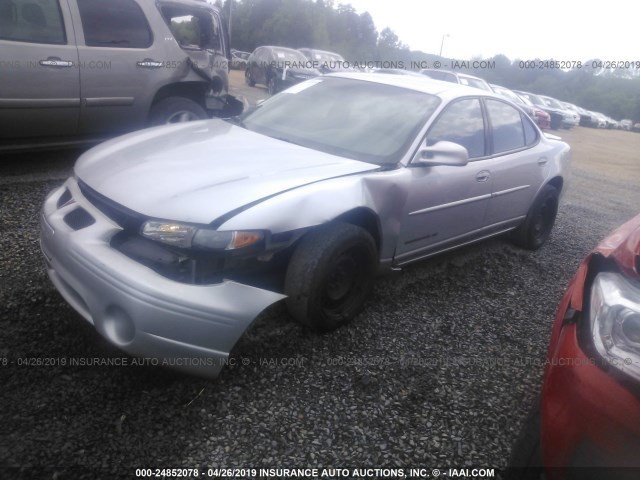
x=330 y=275
x=175 y=110
x=535 y=230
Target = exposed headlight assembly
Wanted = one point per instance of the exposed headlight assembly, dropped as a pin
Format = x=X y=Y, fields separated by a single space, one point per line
x=615 y=321
x=183 y=235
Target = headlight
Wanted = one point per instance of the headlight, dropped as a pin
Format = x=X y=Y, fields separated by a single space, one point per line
x=189 y=236
x=615 y=321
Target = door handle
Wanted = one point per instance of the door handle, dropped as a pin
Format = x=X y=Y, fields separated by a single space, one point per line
x=542 y=162
x=483 y=176
x=149 y=63
x=55 y=62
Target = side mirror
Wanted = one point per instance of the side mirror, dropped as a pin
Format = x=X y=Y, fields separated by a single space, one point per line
x=442 y=153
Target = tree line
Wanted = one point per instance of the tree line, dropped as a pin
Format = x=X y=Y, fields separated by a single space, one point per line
x=325 y=25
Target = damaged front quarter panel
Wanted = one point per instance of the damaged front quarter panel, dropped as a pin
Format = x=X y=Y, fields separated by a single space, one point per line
x=383 y=193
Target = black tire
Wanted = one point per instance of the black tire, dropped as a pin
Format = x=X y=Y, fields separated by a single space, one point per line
x=330 y=275
x=175 y=110
x=248 y=78
x=272 y=86
x=535 y=230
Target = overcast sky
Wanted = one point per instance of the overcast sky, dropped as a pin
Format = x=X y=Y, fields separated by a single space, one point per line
x=560 y=29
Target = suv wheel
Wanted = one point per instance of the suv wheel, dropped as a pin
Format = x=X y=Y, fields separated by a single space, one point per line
x=272 y=86
x=175 y=110
x=248 y=78
x=330 y=275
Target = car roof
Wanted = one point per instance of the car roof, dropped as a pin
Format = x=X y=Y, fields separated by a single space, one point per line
x=457 y=74
x=319 y=51
x=522 y=92
x=428 y=85
x=466 y=75
x=277 y=47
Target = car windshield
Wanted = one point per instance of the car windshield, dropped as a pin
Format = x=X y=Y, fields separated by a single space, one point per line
x=534 y=99
x=326 y=56
x=473 y=82
x=553 y=103
x=508 y=94
x=357 y=119
x=289 y=56
x=525 y=100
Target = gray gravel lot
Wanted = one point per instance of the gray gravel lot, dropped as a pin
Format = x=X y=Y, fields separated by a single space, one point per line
x=438 y=371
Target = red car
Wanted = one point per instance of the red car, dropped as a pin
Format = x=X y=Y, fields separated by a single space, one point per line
x=590 y=406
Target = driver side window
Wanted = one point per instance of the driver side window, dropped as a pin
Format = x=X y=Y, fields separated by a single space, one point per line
x=461 y=123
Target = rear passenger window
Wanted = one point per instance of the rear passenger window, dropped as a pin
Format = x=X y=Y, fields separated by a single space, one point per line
x=114 y=23
x=507 y=130
x=461 y=123
x=32 y=21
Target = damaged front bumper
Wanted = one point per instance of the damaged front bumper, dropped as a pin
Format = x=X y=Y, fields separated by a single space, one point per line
x=189 y=327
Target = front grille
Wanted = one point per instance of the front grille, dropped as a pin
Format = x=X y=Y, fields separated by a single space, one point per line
x=126 y=218
x=78 y=219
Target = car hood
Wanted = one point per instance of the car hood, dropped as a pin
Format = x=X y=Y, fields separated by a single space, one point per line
x=198 y=171
x=622 y=246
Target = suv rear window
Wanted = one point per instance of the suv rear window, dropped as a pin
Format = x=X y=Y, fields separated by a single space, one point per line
x=114 y=23
x=28 y=21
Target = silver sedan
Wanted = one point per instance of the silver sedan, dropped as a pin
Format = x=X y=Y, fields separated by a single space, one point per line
x=171 y=240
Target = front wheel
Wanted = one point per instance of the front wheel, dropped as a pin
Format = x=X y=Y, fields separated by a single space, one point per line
x=535 y=230
x=330 y=275
x=175 y=110
x=272 y=86
x=249 y=78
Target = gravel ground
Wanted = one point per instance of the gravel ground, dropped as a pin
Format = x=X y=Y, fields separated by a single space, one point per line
x=438 y=371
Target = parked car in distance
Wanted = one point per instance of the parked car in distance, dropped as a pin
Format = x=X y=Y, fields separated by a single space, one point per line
x=585 y=117
x=397 y=71
x=239 y=59
x=589 y=415
x=542 y=118
x=278 y=68
x=326 y=62
x=171 y=241
x=598 y=120
x=555 y=114
x=612 y=123
x=578 y=112
x=570 y=118
x=455 y=77
x=82 y=70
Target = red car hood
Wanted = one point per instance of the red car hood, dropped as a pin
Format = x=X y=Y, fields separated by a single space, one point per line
x=623 y=246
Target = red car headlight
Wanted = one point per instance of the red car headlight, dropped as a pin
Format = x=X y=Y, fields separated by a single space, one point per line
x=615 y=321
